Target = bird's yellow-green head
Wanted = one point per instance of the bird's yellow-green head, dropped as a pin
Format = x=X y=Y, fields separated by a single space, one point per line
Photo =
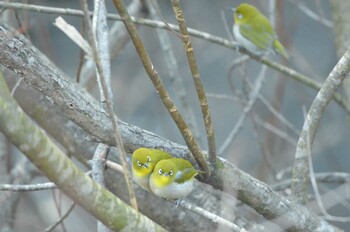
x=172 y=178
x=143 y=162
x=254 y=31
x=164 y=173
x=245 y=14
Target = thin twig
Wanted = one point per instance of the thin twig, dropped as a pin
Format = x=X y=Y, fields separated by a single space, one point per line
x=57 y=198
x=278 y=115
x=272 y=128
x=114 y=166
x=264 y=151
x=252 y=98
x=325 y=177
x=29 y=187
x=211 y=216
x=64 y=216
x=15 y=87
x=312 y=14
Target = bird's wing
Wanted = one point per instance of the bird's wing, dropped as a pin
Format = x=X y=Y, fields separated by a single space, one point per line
x=262 y=38
x=186 y=174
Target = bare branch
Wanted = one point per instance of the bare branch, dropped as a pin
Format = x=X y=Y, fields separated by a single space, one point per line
x=29 y=187
x=37 y=146
x=252 y=98
x=61 y=219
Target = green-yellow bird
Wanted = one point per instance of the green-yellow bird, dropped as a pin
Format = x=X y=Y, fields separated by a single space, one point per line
x=172 y=178
x=254 y=32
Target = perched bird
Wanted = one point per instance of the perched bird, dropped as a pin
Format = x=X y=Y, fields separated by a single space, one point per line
x=254 y=31
x=172 y=178
x=143 y=162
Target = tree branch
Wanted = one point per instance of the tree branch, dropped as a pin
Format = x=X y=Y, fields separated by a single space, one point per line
x=38 y=148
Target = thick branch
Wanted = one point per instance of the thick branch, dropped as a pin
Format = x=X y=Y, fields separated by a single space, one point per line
x=40 y=149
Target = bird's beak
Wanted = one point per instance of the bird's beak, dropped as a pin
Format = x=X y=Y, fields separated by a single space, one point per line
x=231 y=9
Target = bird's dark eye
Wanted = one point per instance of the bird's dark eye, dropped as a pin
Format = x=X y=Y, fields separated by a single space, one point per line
x=148 y=159
x=171 y=173
x=139 y=163
x=160 y=171
x=239 y=16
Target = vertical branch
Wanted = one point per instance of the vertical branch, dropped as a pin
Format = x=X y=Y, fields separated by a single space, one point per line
x=197 y=81
x=158 y=84
x=109 y=105
x=312 y=120
x=97 y=169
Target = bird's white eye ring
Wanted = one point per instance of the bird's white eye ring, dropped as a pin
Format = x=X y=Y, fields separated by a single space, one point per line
x=239 y=16
x=171 y=173
x=160 y=171
x=148 y=159
x=139 y=163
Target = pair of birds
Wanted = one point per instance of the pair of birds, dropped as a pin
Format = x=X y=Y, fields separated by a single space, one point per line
x=160 y=173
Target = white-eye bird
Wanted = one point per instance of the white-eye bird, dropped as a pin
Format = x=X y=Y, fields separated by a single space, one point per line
x=254 y=31
x=172 y=178
x=143 y=162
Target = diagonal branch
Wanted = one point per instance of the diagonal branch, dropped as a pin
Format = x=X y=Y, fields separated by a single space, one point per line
x=48 y=157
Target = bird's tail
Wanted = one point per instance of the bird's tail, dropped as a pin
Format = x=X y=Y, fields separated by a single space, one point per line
x=280 y=49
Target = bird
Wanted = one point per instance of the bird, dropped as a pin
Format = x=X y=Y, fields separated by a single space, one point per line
x=254 y=32
x=143 y=162
x=172 y=178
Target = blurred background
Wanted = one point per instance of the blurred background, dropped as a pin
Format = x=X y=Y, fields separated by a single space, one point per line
x=264 y=145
